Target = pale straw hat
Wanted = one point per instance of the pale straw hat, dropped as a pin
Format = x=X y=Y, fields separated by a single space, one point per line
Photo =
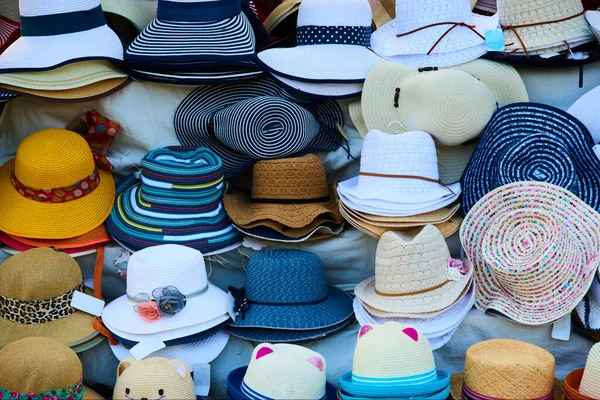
x=507 y=369
x=394 y=360
x=280 y=13
x=590 y=382
x=139 y=12
x=154 y=378
x=414 y=273
x=535 y=249
x=535 y=26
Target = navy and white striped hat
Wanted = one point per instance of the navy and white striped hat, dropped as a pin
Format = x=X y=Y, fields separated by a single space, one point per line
x=246 y=123
x=533 y=142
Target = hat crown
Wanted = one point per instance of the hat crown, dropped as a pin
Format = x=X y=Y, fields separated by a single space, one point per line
x=516 y=12
x=285 y=277
x=33 y=8
x=38 y=365
x=166 y=265
x=413 y=261
x=53 y=158
x=334 y=13
x=509 y=369
x=412 y=14
x=392 y=350
x=39 y=274
x=590 y=381
x=298 y=178
x=286 y=371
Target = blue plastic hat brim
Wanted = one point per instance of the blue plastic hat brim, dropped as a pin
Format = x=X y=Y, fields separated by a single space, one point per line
x=441 y=395
x=356 y=389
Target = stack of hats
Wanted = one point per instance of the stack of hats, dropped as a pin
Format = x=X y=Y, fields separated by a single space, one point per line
x=58 y=191
x=330 y=36
x=255 y=121
x=563 y=154
x=42 y=368
x=169 y=298
x=36 y=301
x=507 y=369
x=290 y=201
x=65 y=53
x=281 y=371
x=154 y=378
x=9 y=32
x=196 y=42
x=286 y=299
x=417 y=283
x=393 y=361
x=433 y=33
x=584 y=384
x=138 y=13
x=398 y=186
x=175 y=198
x=535 y=248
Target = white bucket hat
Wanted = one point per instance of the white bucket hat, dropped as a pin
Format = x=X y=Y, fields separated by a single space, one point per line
x=157 y=278
x=54 y=33
x=398 y=176
x=414 y=274
x=331 y=36
x=433 y=33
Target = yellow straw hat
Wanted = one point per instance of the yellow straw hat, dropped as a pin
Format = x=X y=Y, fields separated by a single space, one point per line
x=52 y=189
x=34 y=368
x=36 y=288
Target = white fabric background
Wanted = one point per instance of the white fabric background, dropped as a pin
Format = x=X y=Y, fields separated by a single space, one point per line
x=145 y=112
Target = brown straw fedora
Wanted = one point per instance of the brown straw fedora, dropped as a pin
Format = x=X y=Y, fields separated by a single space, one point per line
x=42 y=368
x=508 y=369
x=290 y=191
x=36 y=288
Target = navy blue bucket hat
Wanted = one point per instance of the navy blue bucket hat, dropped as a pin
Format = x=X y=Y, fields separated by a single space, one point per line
x=533 y=142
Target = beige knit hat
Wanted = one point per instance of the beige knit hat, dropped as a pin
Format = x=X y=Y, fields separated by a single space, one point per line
x=414 y=274
x=36 y=288
x=154 y=378
x=39 y=367
x=507 y=369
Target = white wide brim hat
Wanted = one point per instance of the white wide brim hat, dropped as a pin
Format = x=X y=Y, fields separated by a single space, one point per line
x=40 y=53
x=440 y=60
x=327 y=63
x=331 y=91
x=202 y=352
x=199 y=309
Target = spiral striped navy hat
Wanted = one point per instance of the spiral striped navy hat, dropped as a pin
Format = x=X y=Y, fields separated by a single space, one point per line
x=246 y=123
x=176 y=198
x=533 y=142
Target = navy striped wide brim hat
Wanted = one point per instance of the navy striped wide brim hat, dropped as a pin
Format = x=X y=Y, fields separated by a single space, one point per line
x=192 y=30
x=533 y=142
x=256 y=121
x=176 y=198
x=202 y=73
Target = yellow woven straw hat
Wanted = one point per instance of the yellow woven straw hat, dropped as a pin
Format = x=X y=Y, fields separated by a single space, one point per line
x=36 y=288
x=508 y=369
x=153 y=378
x=36 y=367
x=414 y=274
x=52 y=188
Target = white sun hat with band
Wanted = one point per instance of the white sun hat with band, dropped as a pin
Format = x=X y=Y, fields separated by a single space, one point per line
x=54 y=33
x=331 y=36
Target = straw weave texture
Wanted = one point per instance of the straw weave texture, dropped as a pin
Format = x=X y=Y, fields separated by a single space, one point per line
x=590 y=381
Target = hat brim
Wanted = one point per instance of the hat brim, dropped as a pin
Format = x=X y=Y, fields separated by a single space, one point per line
x=201 y=352
x=243 y=211
x=322 y=231
x=120 y=313
x=433 y=217
x=438 y=389
x=225 y=75
x=32 y=219
x=457 y=380
x=332 y=91
x=334 y=310
x=326 y=63
x=139 y=13
x=42 y=53
x=234 y=385
x=267 y=335
x=94 y=238
x=90 y=92
x=89 y=394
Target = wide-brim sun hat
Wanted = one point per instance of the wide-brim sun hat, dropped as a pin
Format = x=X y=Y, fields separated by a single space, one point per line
x=320 y=228
x=434 y=217
x=563 y=153
x=317 y=90
x=139 y=12
x=205 y=73
x=54 y=164
x=528 y=231
x=58 y=33
x=329 y=37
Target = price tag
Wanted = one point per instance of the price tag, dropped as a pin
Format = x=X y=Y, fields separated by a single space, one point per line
x=87 y=303
x=201 y=379
x=147 y=347
x=561 y=329
x=494 y=39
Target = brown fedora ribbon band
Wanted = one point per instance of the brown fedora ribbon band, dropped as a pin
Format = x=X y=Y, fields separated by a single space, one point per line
x=454 y=25
x=421 y=178
x=514 y=28
x=412 y=293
